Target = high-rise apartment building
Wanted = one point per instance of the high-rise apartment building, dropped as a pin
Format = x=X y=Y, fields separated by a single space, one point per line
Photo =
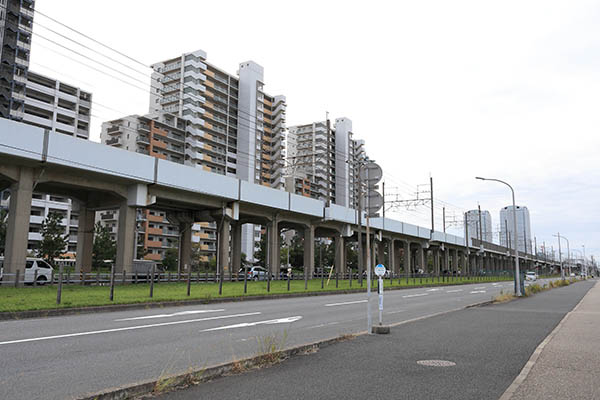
x=234 y=127
x=160 y=135
x=523 y=228
x=316 y=148
x=16 y=23
x=480 y=225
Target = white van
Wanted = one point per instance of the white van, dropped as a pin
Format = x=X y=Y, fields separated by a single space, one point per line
x=44 y=271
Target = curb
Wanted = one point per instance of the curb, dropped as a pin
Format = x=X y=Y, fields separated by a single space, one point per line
x=180 y=381
x=536 y=354
x=57 y=312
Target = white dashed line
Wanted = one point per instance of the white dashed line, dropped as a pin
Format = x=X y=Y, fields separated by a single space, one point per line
x=478 y=291
x=345 y=303
x=177 y=314
x=415 y=295
x=454 y=291
x=129 y=328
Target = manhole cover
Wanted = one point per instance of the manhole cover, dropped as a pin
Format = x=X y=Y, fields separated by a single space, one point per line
x=436 y=363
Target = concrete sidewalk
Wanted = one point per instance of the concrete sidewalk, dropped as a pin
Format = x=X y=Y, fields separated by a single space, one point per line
x=567 y=364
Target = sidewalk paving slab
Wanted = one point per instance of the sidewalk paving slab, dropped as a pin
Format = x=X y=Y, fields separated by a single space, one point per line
x=568 y=366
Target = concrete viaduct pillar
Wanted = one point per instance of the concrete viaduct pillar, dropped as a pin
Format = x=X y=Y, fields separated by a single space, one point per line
x=340 y=254
x=455 y=260
x=423 y=257
x=185 y=248
x=85 y=239
x=17 y=233
x=223 y=262
x=273 y=248
x=407 y=258
x=392 y=255
x=236 y=247
x=309 y=251
x=125 y=238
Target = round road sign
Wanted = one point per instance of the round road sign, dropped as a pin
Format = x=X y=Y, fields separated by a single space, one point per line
x=380 y=270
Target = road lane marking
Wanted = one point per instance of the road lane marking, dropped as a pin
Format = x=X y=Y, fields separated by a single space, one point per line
x=322 y=325
x=415 y=295
x=454 y=291
x=177 y=314
x=128 y=328
x=394 y=312
x=433 y=290
x=478 y=291
x=250 y=324
x=345 y=303
x=479 y=288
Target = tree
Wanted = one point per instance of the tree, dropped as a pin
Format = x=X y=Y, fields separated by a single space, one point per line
x=54 y=241
x=3 y=225
x=170 y=258
x=105 y=248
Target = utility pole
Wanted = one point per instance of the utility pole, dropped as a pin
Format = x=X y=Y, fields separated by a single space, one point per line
x=562 y=272
x=431 y=198
x=360 y=246
x=383 y=208
x=467 y=243
x=444 y=217
x=507 y=234
x=369 y=319
x=480 y=227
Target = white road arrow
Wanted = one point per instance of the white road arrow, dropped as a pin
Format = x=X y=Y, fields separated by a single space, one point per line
x=249 y=324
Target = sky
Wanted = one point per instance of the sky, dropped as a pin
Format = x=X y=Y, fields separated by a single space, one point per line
x=451 y=90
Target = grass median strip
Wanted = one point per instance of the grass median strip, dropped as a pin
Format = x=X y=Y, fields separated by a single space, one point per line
x=44 y=298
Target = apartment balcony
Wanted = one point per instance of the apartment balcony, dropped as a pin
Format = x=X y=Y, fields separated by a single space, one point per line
x=116 y=141
x=142 y=140
x=114 y=130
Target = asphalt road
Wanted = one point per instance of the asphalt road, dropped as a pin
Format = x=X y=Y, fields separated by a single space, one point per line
x=71 y=356
x=489 y=346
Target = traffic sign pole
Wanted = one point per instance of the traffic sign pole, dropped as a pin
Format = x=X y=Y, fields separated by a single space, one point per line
x=380 y=272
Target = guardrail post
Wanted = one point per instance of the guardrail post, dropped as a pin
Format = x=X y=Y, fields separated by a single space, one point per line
x=198 y=275
x=35 y=274
x=68 y=276
x=124 y=279
x=189 y=280
x=17 y=273
x=59 y=289
x=82 y=278
x=98 y=277
x=112 y=282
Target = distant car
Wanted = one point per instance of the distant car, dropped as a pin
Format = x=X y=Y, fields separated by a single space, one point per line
x=44 y=270
x=531 y=276
x=573 y=274
x=256 y=273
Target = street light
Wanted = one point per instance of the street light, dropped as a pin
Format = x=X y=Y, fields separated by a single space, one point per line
x=517 y=278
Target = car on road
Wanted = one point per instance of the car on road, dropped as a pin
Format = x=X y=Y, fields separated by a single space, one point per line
x=35 y=268
x=531 y=276
x=256 y=273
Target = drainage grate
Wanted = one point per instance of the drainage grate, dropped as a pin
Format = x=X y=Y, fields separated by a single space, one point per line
x=436 y=363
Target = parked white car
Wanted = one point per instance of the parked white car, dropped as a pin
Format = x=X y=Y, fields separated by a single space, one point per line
x=44 y=271
x=256 y=273
x=531 y=276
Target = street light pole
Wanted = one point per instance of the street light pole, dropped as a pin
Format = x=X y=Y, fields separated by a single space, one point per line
x=517 y=277
x=562 y=272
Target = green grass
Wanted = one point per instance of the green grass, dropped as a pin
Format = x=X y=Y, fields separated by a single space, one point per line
x=44 y=297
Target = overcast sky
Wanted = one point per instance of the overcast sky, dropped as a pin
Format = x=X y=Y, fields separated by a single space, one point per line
x=506 y=89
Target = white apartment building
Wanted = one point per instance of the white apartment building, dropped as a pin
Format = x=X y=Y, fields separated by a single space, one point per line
x=234 y=127
x=309 y=160
x=523 y=229
x=480 y=228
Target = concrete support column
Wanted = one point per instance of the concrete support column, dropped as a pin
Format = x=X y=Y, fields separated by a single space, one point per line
x=236 y=247
x=340 y=255
x=309 y=251
x=423 y=258
x=125 y=238
x=407 y=258
x=380 y=252
x=17 y=230
x=185 y=248
x=223 y=262
x=273 y=246
x=436 y=261
x=85 y=240
x=393 y=267
x=454 y=260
